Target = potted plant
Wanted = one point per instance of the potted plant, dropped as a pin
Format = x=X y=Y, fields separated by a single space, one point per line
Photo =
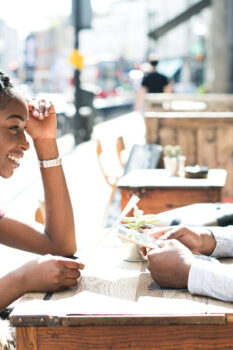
x=173 y=161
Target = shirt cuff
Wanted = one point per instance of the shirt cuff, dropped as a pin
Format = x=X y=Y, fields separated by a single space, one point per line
x=224 y=241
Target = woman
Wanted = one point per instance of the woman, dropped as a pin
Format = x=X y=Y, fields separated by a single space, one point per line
x=49 y=272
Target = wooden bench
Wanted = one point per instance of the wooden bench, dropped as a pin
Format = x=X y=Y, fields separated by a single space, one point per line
x=189 y=102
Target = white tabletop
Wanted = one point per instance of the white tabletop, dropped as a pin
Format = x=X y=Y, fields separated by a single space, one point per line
x=161 y=178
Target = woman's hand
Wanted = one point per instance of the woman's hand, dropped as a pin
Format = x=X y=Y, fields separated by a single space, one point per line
x=42 y=123
x=50 y=273
x=169 y=264
x=198 y=240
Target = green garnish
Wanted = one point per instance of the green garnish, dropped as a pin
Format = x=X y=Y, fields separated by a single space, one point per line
x=139 y=220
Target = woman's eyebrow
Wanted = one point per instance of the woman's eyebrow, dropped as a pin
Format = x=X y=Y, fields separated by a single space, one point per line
x=12 y=116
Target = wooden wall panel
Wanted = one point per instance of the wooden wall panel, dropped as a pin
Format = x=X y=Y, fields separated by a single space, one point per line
x=206 y=147
x=187 y=140
x=167 y=136
x=152 y=127
x=224 y=156
x=205 y=140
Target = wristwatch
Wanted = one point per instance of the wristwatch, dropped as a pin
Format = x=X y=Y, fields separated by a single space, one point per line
x=50 y=163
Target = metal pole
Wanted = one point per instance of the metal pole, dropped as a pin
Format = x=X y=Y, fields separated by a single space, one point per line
x=79 y=127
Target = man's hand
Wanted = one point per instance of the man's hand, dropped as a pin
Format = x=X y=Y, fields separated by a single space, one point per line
x=42 y=123
x=198 y=240
x=169 y=264
x=50 y=273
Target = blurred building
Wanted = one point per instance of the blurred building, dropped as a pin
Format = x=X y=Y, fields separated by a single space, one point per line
x=122 y=32
x=195 y=53
x=53 y=47
x=9 y=49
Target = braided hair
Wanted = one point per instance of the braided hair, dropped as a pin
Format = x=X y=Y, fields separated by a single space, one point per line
x=6 y=89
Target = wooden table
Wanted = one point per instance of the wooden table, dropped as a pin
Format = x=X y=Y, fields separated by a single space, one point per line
x=160 y=192
x=205 y=138
x=112 y=308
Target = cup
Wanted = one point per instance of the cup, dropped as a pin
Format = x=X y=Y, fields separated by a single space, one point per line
x=175 y=165
x=181 y=166
x=131 y=252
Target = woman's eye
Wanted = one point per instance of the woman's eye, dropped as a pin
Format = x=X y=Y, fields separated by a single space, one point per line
x=14 y=128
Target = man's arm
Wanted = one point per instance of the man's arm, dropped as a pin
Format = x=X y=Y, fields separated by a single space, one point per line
x=216 y=241
x=224 y=241
x=212 y=279
x=173 y=265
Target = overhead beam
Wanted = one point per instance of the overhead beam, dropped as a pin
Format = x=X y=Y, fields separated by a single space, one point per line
x=184 y=16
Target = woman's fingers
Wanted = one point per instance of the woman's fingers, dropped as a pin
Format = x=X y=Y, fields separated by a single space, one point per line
x=74 y=274
x=40 y=108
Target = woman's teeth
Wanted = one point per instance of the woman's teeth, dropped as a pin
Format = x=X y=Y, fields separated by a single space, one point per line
x=15 y=159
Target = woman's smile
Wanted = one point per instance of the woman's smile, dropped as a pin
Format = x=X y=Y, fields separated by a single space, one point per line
x=15 y=160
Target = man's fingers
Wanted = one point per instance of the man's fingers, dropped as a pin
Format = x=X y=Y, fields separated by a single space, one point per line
x=160 y=245
x=143 y=250
x=159 y=231
x=169 y=234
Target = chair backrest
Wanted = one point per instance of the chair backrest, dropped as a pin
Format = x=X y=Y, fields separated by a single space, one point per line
x=120 y=147
x=111 y=178
x=146 y=156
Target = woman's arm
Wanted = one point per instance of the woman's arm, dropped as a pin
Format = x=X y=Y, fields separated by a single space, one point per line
x=59 y=221
x=59 y=231
x=48 y=273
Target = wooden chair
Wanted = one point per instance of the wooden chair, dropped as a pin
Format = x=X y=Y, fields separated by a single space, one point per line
x=120 y=147
x=111 y=178
x=40 y=213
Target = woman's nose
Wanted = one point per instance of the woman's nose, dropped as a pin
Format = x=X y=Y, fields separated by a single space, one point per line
x=23 y=143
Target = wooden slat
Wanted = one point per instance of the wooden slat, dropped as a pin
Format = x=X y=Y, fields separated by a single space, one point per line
x=206 y=147
x=159 y=200
x=180 y=337
x=26 y=338
x=167 y=136
x=224 y=156
x=187 y=140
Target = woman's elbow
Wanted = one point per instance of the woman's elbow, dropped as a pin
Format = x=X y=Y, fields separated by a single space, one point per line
x=67 y=250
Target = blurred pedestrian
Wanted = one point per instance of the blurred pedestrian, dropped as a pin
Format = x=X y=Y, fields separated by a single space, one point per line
x=49 y=272
x=152 y=82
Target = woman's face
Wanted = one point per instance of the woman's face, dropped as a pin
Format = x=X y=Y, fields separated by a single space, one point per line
x=13 y=143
